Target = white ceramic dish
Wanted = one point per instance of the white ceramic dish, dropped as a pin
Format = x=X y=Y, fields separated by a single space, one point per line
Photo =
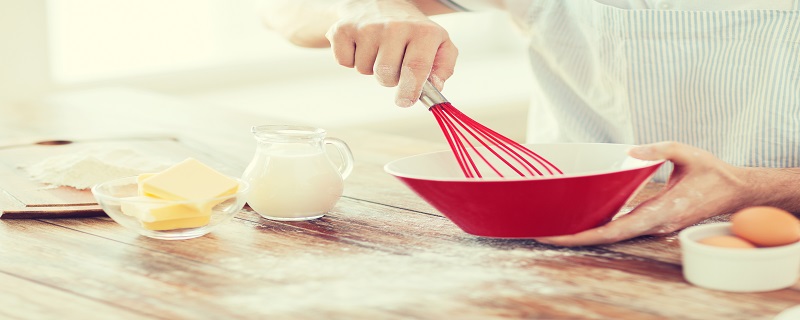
x=736 y=270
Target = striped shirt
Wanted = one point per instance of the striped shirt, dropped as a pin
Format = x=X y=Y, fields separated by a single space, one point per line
x=727 y=81
x=695 y=5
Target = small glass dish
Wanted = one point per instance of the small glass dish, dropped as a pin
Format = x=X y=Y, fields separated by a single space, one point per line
x=736 y=270
x=196 y=217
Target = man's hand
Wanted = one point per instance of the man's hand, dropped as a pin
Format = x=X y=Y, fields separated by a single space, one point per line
x=701 y=186
x=397 y=43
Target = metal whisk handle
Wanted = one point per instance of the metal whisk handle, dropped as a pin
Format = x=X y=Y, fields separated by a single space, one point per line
x=430 y=95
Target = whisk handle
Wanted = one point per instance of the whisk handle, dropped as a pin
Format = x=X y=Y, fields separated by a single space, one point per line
x=430 y=95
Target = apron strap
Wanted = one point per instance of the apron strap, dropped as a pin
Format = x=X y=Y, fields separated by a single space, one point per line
x=797 y=5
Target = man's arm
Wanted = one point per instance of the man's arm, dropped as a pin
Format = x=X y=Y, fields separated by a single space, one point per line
x=779 y=187
x=306 y=22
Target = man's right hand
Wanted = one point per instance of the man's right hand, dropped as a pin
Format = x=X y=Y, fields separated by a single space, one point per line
x=396 y=42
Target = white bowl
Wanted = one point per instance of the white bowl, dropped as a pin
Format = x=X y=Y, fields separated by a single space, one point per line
x=736 y=270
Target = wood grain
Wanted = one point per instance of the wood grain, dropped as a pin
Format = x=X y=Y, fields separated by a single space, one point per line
x=382 y=253
x=371 y=233
x=24 y=198
x=31 y=299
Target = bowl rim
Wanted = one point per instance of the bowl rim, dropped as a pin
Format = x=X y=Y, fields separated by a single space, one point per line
x=646 y=164
x=244 y=187
x=688 y=243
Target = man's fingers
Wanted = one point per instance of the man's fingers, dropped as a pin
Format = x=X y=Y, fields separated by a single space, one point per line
x=443 y=64
x=342 y=45
x=608 y=233
x=417 y=65
x=365 y=56
x=644 y=220
x=400 y=51
x=388 y=62
x=676 y=152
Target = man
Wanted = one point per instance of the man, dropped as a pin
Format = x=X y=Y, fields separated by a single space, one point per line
x=721 y=76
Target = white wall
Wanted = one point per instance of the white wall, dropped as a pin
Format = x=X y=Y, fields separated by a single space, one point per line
x=492 y=71
x=24 y=60
x=216 y=53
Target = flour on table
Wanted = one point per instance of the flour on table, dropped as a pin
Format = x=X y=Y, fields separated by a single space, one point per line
x=436 y=284
x=85 y=168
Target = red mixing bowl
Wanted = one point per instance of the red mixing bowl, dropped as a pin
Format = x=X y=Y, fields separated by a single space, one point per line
x=598 y=180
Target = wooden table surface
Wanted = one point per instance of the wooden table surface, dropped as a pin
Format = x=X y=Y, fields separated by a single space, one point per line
x=382 y=253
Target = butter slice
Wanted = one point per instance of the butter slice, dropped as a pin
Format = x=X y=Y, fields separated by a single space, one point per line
x=140 y=178
x=188 y=180
x=195 y=222
x=148 y=209
x=165 y=216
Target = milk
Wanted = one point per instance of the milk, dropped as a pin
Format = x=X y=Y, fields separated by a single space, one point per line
x=293 y=182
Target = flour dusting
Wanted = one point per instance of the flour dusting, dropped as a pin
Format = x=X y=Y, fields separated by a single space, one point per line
x=435 y=284
x=339 y=285
x=85 y=168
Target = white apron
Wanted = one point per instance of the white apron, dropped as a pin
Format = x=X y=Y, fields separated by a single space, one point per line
x=724 y=81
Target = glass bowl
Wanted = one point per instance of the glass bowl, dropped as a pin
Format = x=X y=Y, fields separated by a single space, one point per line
x=191 y=218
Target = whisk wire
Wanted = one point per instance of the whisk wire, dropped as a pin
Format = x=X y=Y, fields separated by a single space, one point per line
x=456 y=145
x=505 y=143
x=470 y=124
x=485 y=161
x=454 y=123
x=448 y=110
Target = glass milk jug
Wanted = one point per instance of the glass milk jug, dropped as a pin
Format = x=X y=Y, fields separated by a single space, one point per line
x=291 y=176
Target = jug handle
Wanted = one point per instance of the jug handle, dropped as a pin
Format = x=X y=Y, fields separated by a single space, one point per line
x=346 y=156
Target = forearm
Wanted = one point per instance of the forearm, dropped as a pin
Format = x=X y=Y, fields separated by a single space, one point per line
x=305 y=22
x=775 y=187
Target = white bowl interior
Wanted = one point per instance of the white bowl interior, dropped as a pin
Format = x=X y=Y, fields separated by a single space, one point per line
x=574 y=159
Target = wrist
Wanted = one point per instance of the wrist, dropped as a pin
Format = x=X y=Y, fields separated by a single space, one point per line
x=776 y=187
x=303 y=23
x=360 y=9
x=425 y=7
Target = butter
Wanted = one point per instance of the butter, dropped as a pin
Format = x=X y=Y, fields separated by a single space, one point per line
x=190 y=179
x=149 y=209
x=191 y=182
x=165 y=216
x=177 y=223
x=140 y=178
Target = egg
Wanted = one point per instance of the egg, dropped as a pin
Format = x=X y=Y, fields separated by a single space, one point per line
x=766 y=226
x=728 y=242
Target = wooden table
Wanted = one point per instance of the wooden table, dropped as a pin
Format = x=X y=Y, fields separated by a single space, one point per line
x=382 y=253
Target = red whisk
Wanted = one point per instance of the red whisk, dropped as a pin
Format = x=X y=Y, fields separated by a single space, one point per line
x=461 y=131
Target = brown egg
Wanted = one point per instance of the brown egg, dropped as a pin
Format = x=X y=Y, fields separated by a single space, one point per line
x=727 y=242
x=766 y=226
